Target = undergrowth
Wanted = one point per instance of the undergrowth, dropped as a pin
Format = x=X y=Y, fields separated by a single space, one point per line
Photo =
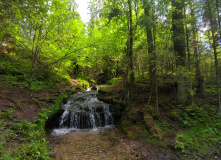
x=202 y=137
x=202 y=141
x=29 y=136
x=16 y=71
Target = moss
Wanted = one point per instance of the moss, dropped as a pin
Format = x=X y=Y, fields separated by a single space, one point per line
x=152 y=126
x=105 y=90
x=114 y=81
x=131 y=123
x=131 y=130
x=130 y=135
x=108 y=99
x=153 y=112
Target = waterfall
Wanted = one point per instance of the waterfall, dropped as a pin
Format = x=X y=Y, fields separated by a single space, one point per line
x=84 y=111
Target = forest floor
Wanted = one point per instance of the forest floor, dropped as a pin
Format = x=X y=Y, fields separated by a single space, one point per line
x=105 y=144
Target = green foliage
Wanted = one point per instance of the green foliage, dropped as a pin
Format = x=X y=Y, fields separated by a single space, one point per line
x=211 y=90
x=203 y=135
x=179 y=145
x=194 y=115
x=43 y=43
x=3 y=123
x=113 y=81
x=46 y=113
x=142 y=79
x=83 y=82
x=190 y=115
x=152 y=140
x=174 y=115
x=36 y=150
x=164 y=125
x=201 y=140
x=16 y=72
x=42 y=40
x=7 y=114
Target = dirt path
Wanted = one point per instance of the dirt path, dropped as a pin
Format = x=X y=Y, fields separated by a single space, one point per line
x=103 y=145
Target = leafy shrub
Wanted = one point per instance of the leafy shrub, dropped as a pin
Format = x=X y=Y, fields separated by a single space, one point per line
x=211 y=90
x=193 y=115
x=190 y=115
x=7 y=114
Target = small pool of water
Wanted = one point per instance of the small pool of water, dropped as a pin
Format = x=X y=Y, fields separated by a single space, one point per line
x=61 y=131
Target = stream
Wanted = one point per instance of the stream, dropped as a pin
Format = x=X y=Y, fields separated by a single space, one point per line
x=85 y=130
x=83 y=111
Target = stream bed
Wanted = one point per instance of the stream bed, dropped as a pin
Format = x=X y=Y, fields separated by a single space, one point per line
x=105 y=144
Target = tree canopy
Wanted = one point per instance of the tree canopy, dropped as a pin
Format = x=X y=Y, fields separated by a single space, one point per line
x=148 y=39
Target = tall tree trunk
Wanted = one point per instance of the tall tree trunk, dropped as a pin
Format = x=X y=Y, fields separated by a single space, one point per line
x=213 y=26
x=152 y=55
x=187 y=40
x=179 y=48
x=130 y=72
x=199 y=77
x=188 y=79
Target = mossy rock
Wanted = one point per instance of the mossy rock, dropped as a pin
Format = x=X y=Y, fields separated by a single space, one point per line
x=108 y=99
x=111 y=94
x=130 y=129
x=152 y=126
x=136 y=120
x=107 y=90
x=153 y=112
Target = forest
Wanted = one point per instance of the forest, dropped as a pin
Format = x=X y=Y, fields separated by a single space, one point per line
x=160 y=59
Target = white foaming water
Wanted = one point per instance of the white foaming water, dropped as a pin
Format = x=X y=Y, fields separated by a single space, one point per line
x=84 y=112
x=61 y=131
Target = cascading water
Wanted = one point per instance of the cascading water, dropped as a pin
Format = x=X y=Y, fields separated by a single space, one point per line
x=84 y=111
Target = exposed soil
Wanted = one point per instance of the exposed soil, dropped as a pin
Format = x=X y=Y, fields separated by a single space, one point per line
x=27 y=104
